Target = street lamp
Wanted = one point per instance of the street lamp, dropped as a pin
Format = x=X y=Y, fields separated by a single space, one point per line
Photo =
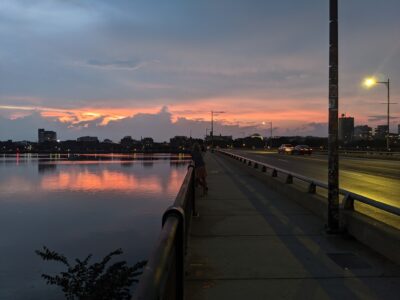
x=270 y=129
x=369 y=83
x=212 y=125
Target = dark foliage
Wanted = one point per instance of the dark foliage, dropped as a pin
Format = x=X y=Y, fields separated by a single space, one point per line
x=95 y=281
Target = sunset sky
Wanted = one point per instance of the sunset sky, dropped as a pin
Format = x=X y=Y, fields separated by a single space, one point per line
x=157 y=68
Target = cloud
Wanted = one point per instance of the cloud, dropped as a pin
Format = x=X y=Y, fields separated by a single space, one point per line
x=131 y=57
x=309 y=129
x=378 y=118
x=117 y=64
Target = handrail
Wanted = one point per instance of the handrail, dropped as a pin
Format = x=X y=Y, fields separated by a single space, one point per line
x=350 y=197
x=163 y=275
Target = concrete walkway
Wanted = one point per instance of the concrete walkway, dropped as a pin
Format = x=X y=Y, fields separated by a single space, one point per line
x=251 y=243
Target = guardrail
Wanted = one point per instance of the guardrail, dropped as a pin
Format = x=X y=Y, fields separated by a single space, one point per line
x=349 y=197
x=163 y=275
x=362 y=152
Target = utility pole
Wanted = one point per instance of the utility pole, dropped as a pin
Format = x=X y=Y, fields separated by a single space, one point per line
x=333 y=165
x=270 y=123
x=212 y=126
x=212 y=130
x=388 y=116
x=369 y=82
x=387 y=83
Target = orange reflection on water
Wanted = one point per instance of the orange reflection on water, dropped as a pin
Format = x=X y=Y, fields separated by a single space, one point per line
x=105 y=180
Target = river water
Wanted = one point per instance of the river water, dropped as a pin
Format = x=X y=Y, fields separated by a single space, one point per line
x=77 y=206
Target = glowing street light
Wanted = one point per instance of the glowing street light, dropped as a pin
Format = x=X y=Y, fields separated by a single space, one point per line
x=369 y=83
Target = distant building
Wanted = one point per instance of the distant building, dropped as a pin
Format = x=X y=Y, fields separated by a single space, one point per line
x=346 y=128
x=398 y=129
x=126 y=141
x=179 y=141
x=91 y=139
x=257 y=136
x=381 y=131
x=107 y=141
x=46 y=136
x=147 y=142
x=220 y=140
x=363 y=133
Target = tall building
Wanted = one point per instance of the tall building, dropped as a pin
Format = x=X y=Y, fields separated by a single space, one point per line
x=362 y=132
x=346 y=128
x=46 y=136
x=381 y=131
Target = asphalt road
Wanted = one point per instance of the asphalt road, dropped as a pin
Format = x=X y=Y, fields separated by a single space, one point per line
x=373 y=178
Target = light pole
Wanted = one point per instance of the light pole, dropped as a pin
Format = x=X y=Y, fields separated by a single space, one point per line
x=270 y=129
x=370 y=82
x=333 y=155
x=212 y=125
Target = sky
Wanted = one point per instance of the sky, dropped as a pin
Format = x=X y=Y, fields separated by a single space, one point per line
x=157 y=68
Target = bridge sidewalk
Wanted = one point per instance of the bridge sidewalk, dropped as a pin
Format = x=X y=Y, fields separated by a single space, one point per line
x=251 y=243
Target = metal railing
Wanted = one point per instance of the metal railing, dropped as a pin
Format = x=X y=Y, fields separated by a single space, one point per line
x=363 y=153
x=349 y=197
x=163 y=275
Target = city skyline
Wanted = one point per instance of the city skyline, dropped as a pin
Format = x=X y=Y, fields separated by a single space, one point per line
x=115 y=69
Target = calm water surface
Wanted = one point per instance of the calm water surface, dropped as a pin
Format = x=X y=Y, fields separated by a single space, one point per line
x=92 y=204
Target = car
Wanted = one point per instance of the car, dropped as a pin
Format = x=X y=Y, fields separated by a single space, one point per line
x=286 y=149
x=302 y=149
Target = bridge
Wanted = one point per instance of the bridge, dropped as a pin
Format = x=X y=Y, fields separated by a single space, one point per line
x=258 y=235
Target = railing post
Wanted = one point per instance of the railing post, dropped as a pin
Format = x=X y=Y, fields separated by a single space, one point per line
x=312 y=188
x=193 y=190
x=255 y=165
x=249 y=163
x=180 y=245
x=274 y=173
x=289 y=179
x=348 y=202
x=264 y=169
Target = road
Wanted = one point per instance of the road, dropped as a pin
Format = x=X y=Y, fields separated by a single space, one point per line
x=373 y=178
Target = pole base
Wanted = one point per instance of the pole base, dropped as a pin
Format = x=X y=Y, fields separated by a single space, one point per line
x=334 y=231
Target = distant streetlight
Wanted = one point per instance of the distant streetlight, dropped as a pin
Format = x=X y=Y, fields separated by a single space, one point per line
x=369 y=83
x=270 y=129
x=212 y=125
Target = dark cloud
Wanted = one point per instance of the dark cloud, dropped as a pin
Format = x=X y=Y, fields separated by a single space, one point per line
x=117 y=64
x=378 y=118
x=310 y=129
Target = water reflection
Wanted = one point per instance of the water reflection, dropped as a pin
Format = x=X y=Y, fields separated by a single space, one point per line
x=79 y=207
x=102 y=180
x=147 y=164
x=46 y=168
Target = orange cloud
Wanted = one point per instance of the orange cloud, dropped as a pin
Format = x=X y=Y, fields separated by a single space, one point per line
x=237 y=111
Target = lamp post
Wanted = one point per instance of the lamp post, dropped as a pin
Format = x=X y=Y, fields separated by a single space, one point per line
x=270 y=123
x=370 y=82
x=270 y=129
x=333 y=155
x=212 y=125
